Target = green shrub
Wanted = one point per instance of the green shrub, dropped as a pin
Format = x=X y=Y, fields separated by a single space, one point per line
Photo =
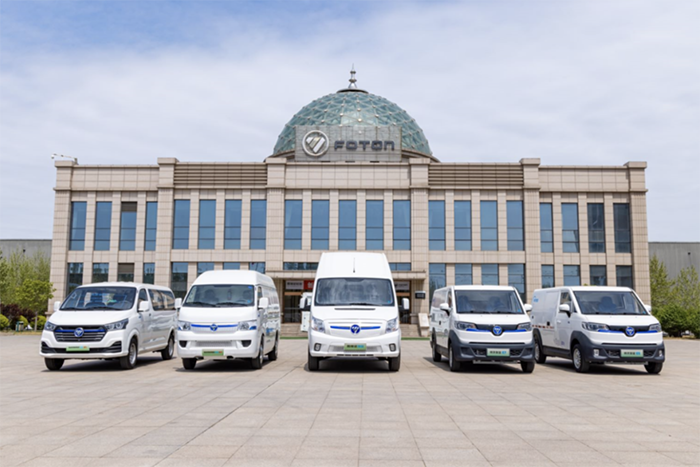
x=4 y=322
x=674 y=319
x=694 y=322
x=40 y=322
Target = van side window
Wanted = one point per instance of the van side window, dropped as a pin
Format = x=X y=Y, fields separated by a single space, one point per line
x=142 y=296
x=169 y=299
x=156 y=299
x=565 y=299
x=449 y=298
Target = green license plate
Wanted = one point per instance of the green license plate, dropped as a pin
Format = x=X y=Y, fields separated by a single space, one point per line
x=631 y=353
x=79 y=348
x=498 y=352
x=356 y=347
x=212 y=353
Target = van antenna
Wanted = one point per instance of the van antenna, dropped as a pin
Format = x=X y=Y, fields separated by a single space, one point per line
x=353 y=265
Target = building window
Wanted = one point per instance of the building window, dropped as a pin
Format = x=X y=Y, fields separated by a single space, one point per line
x=100 y=272
x=232 y=224
x=125 y=272
x=436 y=225
x=489 y=225
x=489 y=274
x=204 y=267
x=572 y=275
x=599 y=275
x=293 y=211
x=463 y=274
x=300 y=266
x=437 y=277
x=260 y=267
x=623 y=237
x=178 y=279
x=75 y=277
x=596 y=228
x=77 y=226
x=347 y=225
x=514 y=215
x=624 y=276
x=232 y=266
x=463 y=225
x=181 y=224
x=258 y=224
x=207 y=224
x=547 y=275
x=151 y=226
x=400 y=266
x=127 y=230
x=149 y=272
x=546 y=228
x=320 y=224
x=569 y=219
x=516 y=278
x=402 y=225
x=103 y=225
x=375 y=225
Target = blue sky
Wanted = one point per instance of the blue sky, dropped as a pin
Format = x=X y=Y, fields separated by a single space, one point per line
x=570 y=82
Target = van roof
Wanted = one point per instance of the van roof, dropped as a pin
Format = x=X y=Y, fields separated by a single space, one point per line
x=586 y=288
x=353 y=264
x=483 y=287
x=125 y=284
x=234 y=277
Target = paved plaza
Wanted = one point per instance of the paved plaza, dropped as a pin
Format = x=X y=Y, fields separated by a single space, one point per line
x=350 y=414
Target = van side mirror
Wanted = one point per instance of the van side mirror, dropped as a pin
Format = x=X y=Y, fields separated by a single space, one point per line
x=305 y=304
x=445 y=307
x=648 y=308
x=564 y=308
x=528 y=308
x=178 y=303
x=264 y=302
x=143 y=305
x=56 y=306
x=405 y=304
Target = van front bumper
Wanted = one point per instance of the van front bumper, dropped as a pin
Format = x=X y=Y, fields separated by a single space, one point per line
x=613 y=352
x=384 y=346
x=239 y=344
x=111 y=346
x=472 y=352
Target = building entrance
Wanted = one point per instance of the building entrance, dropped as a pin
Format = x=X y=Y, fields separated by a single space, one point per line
x=293 y=289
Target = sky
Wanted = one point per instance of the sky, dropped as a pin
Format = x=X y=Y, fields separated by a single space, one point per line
x=571 y=82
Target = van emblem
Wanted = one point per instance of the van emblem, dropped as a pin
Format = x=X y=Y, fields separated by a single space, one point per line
x=315 y=143
x=214 y=327
x=355 y=329
x=629 y=331
x=497 y=330
x=78 y=332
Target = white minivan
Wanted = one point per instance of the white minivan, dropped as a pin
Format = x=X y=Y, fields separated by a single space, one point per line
x=111 y=320
x=354 y=312
x=227 y=315
x=596 y=325
x=473 y=323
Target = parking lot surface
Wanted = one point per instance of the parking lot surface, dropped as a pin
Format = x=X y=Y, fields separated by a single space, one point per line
x=351 y=413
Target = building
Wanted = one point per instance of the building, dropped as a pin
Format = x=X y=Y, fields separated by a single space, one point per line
x=28 y=247
x=352 y=171
x=676 y=255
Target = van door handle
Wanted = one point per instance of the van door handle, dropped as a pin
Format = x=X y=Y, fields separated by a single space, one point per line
x=548 y=323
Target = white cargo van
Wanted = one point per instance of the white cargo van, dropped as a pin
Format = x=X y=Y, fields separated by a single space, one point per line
x=111 y=320
x=470 y=323
x=227 y=315
x=596 y=325
x=354 y=310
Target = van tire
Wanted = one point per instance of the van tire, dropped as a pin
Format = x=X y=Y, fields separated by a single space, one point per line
x=654 y=368
x=272 y=356
x=256 y=363
x=395 y=363
x=528 y=367
x=313 y=363
x=540 y=357
x=128 y=362
x=436 y=353
x=453 y=363
x=169 y=351
x=189 y=363
x=53 y=364
x=581 y=365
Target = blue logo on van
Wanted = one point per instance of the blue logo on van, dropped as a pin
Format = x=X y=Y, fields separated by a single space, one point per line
x=497 y=330
x=630 y=331
x=213 y=327
x=78 y=332
x=355 y=329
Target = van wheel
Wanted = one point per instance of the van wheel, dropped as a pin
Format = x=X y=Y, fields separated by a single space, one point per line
x=395 y=363
x=528 y=367
x=540 y=357
x=313 y=363
x=653 y=368
x=436 y=354
x=128 y=362
x=455 y=364
x=169 y=350
x=53 y=364
x=272 y=356
x=257 y=362
x=189 y=363
x=580 y=363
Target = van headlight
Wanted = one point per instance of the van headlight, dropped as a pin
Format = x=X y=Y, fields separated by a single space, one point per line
x=248 y=325
x=595 y=326
x=118 y=326
x=49 y=326
x=653 y=328
x=184 y=325
x=461 y=326
x=392 y=325
x=525 y=326
x=317 y=325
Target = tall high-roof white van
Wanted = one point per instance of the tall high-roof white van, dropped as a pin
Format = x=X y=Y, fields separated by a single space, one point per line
x=479 y=323
x=354 y=310
x=596 y=325
x=111 y=320
x=228 y=315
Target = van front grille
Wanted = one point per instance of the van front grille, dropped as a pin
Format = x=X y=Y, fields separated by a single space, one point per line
x=88 y=333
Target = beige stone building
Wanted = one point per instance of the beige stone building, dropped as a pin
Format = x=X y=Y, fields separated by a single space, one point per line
x=352 y=171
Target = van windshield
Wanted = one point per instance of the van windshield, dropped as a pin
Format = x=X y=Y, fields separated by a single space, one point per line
x=100 y=299
x=488 y=301
x=220 y=295
x=354 y=291
x=609 y=303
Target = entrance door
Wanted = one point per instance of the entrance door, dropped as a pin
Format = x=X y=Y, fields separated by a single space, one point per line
x=292 y=313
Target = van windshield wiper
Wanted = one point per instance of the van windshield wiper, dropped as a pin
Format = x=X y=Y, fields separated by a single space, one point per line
x=362 y=304
x=222 y=304
x=200 y=304
x=103 y=307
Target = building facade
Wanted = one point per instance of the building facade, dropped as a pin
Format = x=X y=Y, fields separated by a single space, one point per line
x=352 y=171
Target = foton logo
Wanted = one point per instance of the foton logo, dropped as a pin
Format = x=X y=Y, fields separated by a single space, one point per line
x=373 y=145
x=315 y=143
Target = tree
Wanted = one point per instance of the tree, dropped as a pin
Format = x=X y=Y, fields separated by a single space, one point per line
x=18 y=268
x=661 y=285
x=34 y=294
x=686 y=289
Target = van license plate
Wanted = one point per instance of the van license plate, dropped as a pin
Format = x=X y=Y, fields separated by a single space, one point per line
x=356 y=347
x=631 y=353
x=498 y=352
x=212 y=353
x=79 y=348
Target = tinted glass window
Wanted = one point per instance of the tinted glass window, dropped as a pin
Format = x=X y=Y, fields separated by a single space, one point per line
x=77 y=225
x=463 y=274
x=436 y=225
x=232 y=224
x=204 y=267
x=488 y=301
x=125 y=272
x=151 y=226
x=207 y=224
x=624 y=276
x=347 y=225
x=489 y=274
x=400 y=266
x=320 y=224
x=516 y=278
x=220 y=295
x=178 y=279
x=375 y=225
x=463 y=225
x=546 y=228
x=100 y=272
x=100 y=299
x=572 y=275
x=258 y=224
x=354 y=291
x=489 y=225
x=103 y=224
x=437 y=276
x=232 y=266
x=149 y=273
x=609 y=303
x=75 y=276
x=127 y=230
x=596 y=228
x=181 y=224
x=623 y=237
x=260 y=267
x=292 y=224
x=547 y=275
x=569 y=217
x=516 y=238
x=402 y=225
x=156 y=299
x=599 y=275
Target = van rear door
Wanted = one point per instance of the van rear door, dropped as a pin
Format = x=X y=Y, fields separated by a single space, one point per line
x=551 y=306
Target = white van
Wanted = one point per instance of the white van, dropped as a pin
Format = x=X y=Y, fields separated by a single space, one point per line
x=471 y=323
x=354 y=310
x=111 y=320
x=227 y=315
x=596 y=325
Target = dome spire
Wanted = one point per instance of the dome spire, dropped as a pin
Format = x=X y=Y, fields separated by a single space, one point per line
x=352 y=87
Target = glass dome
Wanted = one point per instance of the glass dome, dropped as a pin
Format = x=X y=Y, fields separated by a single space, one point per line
x=357 y=108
